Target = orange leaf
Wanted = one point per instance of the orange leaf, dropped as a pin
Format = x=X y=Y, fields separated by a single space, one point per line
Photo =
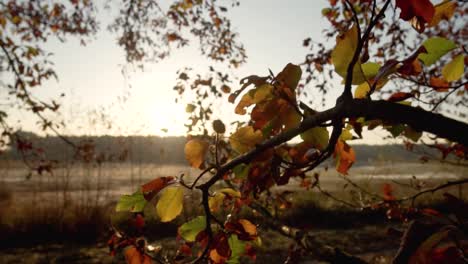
x=439 y=84
x=134 y=256
x=399 y=96
x=195 y=151
x=345 y=157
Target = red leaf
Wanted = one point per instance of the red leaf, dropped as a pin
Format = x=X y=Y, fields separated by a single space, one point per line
x=399 y=96
x=151 y=188
x=422 y=10
x=388 y=192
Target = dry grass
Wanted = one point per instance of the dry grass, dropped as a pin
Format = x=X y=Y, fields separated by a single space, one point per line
x=75 y=204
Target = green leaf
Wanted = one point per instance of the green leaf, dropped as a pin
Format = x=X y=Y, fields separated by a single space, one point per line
x=317 y=136
x=237 y=249
x=170 y=203
x=396 y=130
x=454 y=69
x=132 y=203
x=342 y=56
x=370 y=69
x=241 y=171
x=190 y=230
x=436 y=47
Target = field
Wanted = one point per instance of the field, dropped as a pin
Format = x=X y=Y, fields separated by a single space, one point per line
x=65 y=217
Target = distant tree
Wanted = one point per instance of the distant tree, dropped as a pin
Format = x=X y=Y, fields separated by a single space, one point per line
x=401 y=62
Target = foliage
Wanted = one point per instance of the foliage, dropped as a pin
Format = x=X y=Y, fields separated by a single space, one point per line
x=412 y=55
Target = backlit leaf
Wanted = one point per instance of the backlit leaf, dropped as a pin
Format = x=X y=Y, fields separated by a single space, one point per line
x=362 y=90
x=454 y=69
x=170 y=203
x=317 y=136
x=254 y=96
x=219 y=127
x=245 y=139
x=290 y=75
x=133 y=203
x=190 y=230
x=189 y=108
x=370 y=69
x=195 y=151
x=342 y=55
x=436 y=47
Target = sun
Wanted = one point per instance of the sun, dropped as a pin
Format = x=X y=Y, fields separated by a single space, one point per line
x=167 y=119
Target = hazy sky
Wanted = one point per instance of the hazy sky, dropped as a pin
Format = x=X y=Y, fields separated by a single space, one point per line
x=272 y=32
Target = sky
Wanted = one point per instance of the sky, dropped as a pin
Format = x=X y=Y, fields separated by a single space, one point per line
x=90 y=76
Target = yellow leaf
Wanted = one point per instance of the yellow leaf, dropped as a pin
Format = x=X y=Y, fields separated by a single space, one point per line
x=346 y=133
x=317 y=136
x=362 y=90
x=443 y=11
x=342 y=55
x=216 y=201
x=170 y=203
x=454 y=69
x=253 y=96
x=195 y=151
x=245 y=139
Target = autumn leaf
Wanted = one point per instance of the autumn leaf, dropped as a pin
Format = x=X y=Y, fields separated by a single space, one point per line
x=436 y=47
x=290 y=76
x=439 y=84
x=134 y=256
x=345 y=157
x=218 y=197
x=219 y=127
x=170 y=203
x=244 y=229
x=317 y=137
x=453 y=71
x=399 y=96
x=420 y=10
x=151 y=188
x=195 y=151
x=245 y=139
x=342 y=55
x=189 y=108
x=443 y=11
x=254 y=96
x=189 y=231
x=131 y=203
